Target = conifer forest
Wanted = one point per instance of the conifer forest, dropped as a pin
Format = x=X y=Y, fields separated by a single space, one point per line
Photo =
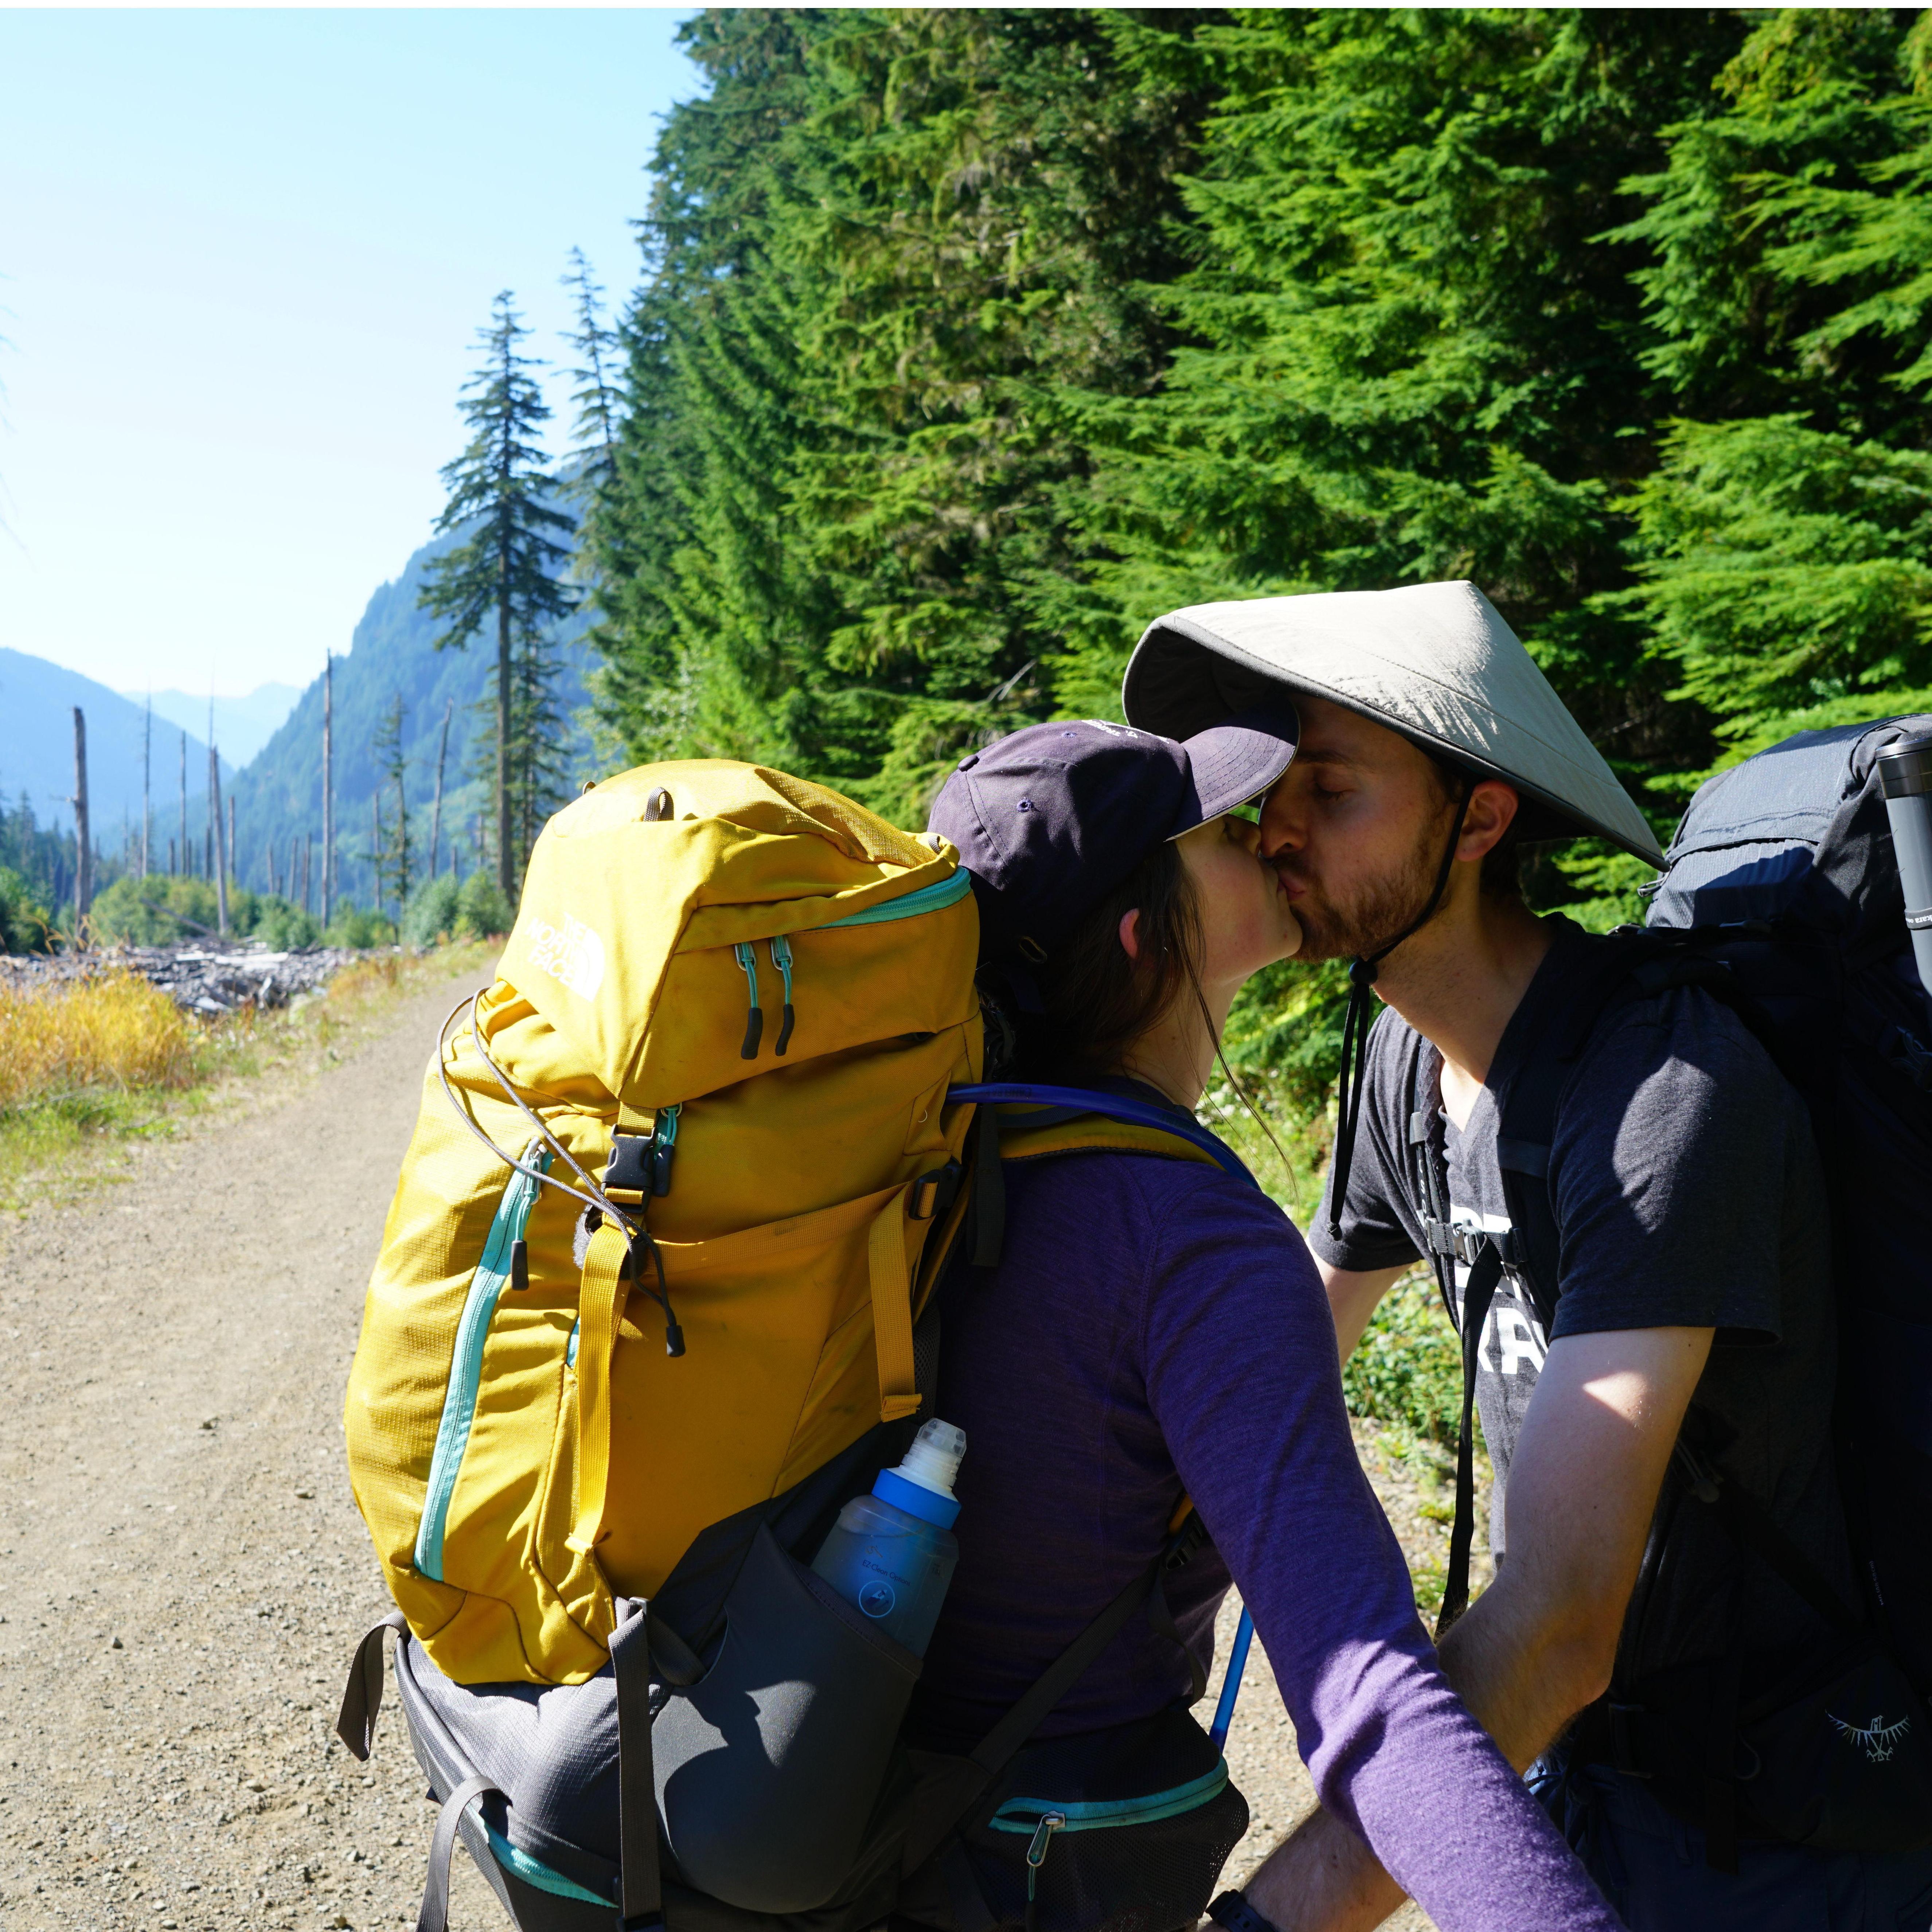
x=964 y=343
x=968 y=342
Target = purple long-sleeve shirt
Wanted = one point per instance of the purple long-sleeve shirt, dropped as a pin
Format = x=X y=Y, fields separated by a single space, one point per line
x=1157 y=1329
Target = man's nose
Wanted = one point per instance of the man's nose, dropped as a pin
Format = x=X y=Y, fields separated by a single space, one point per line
x=1281 y=824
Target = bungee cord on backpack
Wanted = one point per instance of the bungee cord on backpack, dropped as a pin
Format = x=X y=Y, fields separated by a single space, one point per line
x=595 y=1199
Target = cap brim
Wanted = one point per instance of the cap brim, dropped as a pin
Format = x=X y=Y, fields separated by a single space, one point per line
x=1230 y=763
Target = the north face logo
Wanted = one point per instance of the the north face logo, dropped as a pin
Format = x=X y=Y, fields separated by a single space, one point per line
x=1878 y=1739
x=573 y=958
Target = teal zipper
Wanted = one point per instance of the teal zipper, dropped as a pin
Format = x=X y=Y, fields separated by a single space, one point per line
x=1026 y=1814
x=934 y=898
x=755 y=1023
x=781 y=950
x=466 y=1368
x=664 y=1145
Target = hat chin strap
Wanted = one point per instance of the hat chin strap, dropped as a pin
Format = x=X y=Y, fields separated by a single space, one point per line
x=1356 y=1022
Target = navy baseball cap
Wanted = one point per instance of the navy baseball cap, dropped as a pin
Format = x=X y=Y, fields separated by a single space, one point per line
x=1050 y=820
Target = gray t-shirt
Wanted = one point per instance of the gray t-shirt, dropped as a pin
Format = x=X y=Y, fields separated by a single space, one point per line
x=1687 y=1193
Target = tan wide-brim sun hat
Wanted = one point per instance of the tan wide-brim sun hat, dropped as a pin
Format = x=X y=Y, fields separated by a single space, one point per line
x=1433 y=662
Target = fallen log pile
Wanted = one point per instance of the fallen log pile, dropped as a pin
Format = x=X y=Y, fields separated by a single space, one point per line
x=202 y=977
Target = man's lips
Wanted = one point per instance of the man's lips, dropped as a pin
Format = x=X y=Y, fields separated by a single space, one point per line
x=1295 y=888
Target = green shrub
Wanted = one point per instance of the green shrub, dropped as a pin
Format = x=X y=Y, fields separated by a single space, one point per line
x=352 y=927
x=486 y=913
x=1408 y=1369
x=284 y=928
x=434 y=912
x=24 y=921
x=154 y=910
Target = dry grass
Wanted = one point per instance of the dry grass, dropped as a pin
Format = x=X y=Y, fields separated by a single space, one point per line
x=86 y=1070
x=116 y=1032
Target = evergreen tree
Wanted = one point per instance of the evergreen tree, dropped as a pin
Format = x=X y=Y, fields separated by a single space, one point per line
x=507 y=567
x=598 y=405
x=542 y=776
x=1784 y=536
x=394 y=864
x=872 y=243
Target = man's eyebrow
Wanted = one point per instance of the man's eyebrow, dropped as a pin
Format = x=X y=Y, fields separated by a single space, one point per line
x=1320 y=754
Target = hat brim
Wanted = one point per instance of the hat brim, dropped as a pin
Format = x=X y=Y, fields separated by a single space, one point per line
x=1184 y=675
x=1236 y=760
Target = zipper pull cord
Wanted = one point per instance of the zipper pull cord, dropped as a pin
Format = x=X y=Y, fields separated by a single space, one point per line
x=755 y=1023
x=782 y=958
x=1050 y=1822
x=664 y=1145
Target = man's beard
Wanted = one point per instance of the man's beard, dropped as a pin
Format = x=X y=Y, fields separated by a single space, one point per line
x=1379 y=911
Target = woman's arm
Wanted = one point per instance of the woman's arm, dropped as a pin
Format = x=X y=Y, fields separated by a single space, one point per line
x=1240 y=1356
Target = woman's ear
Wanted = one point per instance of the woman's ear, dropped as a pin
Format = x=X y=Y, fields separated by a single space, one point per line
x=1130 y=935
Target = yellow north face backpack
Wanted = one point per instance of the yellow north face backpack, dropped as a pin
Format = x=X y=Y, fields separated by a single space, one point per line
x=713 y=1068
x=655 y=1297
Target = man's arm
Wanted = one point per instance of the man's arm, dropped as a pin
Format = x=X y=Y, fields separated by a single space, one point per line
x=1538 y=1644
x=1352 y=1298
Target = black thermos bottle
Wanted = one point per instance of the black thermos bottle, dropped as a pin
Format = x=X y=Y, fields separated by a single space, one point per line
x=1905 y=774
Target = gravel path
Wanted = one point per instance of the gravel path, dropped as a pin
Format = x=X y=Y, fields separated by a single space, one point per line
x=182 y=1572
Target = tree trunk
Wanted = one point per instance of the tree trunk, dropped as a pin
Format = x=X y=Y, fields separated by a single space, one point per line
x=436 y=814
x=375 y=849
x=187 y=863
x=83 y=833
x=328 y=780
x=217 y=856
x=147 y=807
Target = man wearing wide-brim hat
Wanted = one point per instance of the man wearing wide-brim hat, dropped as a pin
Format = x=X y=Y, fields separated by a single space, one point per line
x=1682 y=1253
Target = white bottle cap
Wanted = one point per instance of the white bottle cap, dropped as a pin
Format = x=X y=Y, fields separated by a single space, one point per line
x=934 y=1457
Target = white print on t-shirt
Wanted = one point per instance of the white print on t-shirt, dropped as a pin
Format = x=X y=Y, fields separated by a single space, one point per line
x=1516 y=1346
x=1510 y=1343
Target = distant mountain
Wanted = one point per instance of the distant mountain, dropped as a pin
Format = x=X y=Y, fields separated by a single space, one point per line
x=278 y=797
x=242 y=725
x=36 y=702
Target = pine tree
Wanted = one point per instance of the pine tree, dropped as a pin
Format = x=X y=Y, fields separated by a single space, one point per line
x=393 y=861
x=508 y=564
x=1784 y=535
x=542 y=771
x=599 y=405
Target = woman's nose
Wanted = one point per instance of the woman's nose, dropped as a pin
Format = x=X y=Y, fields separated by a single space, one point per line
x=1248 y=834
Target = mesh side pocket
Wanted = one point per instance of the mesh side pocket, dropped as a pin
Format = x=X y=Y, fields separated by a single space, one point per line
x=1148 y=1819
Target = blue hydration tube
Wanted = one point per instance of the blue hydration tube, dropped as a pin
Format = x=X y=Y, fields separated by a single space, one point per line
x=1231 y=1684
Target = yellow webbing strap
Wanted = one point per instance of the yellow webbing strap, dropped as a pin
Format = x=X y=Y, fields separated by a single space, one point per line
x=600 y=1301
x=892 y=1308
x=1090 y=1133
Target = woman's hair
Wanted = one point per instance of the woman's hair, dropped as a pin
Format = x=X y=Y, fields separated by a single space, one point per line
x=1098 y=1001
x=1095 y=1002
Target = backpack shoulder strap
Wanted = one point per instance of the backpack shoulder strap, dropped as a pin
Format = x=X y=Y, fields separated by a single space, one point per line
x=1018 y=1121
x=1036 y=1120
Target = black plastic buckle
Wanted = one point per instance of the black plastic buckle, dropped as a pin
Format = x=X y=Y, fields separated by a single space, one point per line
x=1191 y=1536
x=628 y=1175
x=934 y=1193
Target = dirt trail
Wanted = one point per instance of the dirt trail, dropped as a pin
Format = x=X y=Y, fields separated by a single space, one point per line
x=182 y=1572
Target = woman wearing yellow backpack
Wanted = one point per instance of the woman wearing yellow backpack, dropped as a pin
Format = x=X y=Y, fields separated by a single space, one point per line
x=1154 y=1330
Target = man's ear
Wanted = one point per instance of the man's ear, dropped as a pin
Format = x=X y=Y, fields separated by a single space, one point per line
x=1492 y=811
x=1130 y=935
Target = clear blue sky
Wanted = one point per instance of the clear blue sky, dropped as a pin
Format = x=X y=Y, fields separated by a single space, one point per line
x=243 y=258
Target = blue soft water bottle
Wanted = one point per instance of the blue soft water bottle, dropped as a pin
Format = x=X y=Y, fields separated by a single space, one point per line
x=892 y=1553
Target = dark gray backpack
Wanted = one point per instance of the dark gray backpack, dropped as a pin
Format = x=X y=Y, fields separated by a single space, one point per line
x=1780 y=895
